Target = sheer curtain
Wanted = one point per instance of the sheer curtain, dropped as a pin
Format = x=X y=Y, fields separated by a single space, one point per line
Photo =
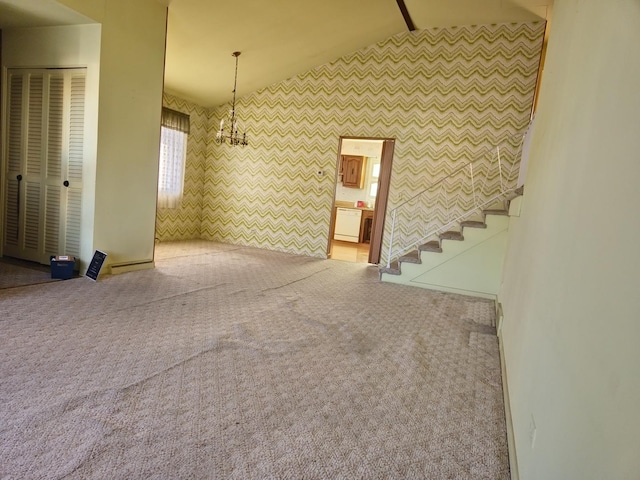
x=173 y=152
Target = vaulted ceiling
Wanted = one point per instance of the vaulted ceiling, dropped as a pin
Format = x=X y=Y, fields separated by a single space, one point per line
x=278 y=38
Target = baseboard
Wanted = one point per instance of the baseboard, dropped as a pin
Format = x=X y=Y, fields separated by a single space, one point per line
x=499 y=318
x=511 y=444
x=459 y=291
x=131 y=267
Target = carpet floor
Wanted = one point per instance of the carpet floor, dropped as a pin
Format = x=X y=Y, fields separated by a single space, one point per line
x=16 y=273
x=227 y=362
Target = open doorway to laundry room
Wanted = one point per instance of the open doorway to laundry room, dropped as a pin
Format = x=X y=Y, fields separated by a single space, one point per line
x=359 y=208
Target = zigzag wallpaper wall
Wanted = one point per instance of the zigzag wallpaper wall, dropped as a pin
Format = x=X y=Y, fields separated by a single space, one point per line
x=183 y=223
x=445 y=95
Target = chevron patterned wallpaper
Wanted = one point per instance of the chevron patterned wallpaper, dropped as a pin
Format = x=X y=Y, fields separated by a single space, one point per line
x=183 y=223
x=446 y=95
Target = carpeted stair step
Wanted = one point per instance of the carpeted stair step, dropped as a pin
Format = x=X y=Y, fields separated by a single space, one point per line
x=411 y=257
x=433 y=246
x=393 y=269
x=473 y=224
x=451 y=235
x=495 y=212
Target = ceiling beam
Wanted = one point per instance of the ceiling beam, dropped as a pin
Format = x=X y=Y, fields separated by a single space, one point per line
x=405 y=15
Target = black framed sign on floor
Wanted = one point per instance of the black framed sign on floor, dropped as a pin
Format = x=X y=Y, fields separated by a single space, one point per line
x=96 y=265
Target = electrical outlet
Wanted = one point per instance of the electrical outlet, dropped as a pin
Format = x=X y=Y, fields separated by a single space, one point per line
x=532 y=432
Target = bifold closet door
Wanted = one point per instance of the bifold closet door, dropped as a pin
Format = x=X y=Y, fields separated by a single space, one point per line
x=45 y=142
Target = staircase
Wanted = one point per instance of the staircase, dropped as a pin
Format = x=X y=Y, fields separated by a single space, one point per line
x=467 y=260
x=452 y=236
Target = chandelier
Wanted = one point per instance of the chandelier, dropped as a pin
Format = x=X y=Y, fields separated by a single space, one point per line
x=234 y=135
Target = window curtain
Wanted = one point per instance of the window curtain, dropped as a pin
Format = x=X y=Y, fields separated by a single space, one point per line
x=173 y=152
x=175 y=120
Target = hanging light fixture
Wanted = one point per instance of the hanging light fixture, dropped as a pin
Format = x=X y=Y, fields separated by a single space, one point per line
x=234 y=135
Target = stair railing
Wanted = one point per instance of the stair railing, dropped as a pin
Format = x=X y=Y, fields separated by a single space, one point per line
x=466 y=191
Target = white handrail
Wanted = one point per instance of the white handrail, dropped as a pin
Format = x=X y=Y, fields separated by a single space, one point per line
x=485 y=165
x=500 y=167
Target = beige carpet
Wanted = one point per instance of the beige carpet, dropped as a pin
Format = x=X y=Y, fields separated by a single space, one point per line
x=15 y=273
x=234 y=363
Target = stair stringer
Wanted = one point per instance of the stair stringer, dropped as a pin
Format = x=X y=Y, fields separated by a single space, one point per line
x=472 y=266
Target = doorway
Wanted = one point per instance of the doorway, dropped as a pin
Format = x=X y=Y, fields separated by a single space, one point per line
x=363 y=175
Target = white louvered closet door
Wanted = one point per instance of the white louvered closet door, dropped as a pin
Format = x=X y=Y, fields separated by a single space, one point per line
x=45 y=129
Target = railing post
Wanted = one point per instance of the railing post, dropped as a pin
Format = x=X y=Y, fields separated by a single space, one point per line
x=500 y=170
x=393 y=228
x=473 y=186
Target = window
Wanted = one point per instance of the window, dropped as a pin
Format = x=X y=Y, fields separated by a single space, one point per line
x=173 y=152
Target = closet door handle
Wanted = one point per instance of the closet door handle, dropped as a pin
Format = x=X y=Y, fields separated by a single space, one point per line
x=66 y=183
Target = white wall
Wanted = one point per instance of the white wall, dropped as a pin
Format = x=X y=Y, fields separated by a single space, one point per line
x=69 y=46
x=572 y=275
x=131 y=79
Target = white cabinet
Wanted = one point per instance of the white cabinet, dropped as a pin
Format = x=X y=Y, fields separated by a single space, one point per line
x=45 y=143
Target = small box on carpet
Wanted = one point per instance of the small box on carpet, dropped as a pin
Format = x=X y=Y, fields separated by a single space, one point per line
x=62 y=266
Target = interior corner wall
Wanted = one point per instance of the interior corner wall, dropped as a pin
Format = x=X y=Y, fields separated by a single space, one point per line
x=570 y=293
x=131 y=80
x=94 y=9
x=183 y=222
x=444 y=94
x=66 y=46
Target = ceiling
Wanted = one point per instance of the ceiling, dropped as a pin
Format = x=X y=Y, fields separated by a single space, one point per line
x=278 y=38
x=37 y=13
